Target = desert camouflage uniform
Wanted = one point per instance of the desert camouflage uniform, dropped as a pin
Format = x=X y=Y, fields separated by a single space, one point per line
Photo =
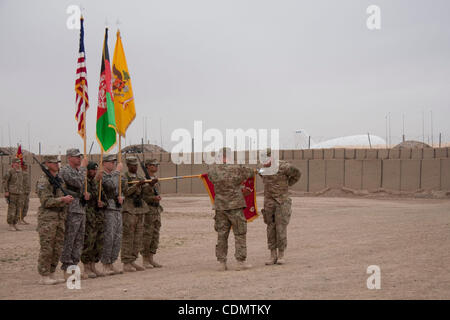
x=277 y=204
x=229 y=203
x=50 y=226
x=93 y=234
x=26 y=194
x=112 y=236
x=152 y=219
x=76 y=216
x=13 y=183
x=134 y=207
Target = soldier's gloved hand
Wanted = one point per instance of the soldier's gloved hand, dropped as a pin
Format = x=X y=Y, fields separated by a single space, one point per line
x=153 y=182
x=99 y=176
x=67 y=199
x=100 y=204
x=87 y=196
x=119 y=166
x=158 y=198
x=6 y=194
x=140 y=183
x=120 y=199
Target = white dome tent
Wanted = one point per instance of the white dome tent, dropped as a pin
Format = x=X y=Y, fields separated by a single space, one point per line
x=355 y=141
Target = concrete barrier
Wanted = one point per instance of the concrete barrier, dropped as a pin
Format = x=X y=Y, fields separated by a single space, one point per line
x=302 y=184
x=371 y=178
x=431 y=174
x=334 y=169
x=445 y=174
x=410 y=175
x=353 y=174
x=391 y=174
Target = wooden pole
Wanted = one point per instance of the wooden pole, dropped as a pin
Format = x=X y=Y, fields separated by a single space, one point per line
x=84 y=136
x=120 y=160
x=101 y=170
x=169 y=178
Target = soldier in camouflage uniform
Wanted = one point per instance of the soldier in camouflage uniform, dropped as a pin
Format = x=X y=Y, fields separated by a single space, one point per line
x=277 y=206
x=74 y=176
x=229 y=204
x=134 y=208
x=152 y=219
x=13 y=186
x=112 y=235
x=26 y=192
x=50 y=226
x=93 y=235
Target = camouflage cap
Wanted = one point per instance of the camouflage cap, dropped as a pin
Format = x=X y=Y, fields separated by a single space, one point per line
x=109 y=158
x=15 y=160
x=224 y=151
x=51 y=159
x=92 y=165
x=151 y=162
x=132 y=160
x=73 y=152
x=269 y=152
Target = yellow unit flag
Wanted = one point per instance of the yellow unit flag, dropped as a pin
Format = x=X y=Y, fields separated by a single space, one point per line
x=123 y=93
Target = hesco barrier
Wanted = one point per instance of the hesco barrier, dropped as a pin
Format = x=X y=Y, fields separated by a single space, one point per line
x=358 y=169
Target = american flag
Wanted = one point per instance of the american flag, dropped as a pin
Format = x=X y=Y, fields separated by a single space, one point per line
x=81 y=86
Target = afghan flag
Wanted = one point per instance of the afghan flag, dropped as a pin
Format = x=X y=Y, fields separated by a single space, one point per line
x=19 y=155
x=251 y=211
x=123 y=93
x=106 y=122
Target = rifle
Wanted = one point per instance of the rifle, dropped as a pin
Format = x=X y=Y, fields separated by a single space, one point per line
x=53 y=180
x=147 y=175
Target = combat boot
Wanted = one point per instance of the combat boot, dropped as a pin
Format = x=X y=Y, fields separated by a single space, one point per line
x=115 y=270
x=146 y=263
x=281 y=259
x=94 y=270
x=57 y=279
x=15 y=227
x=153 y=262
x=222 y=266
x=24 y=222
x=47 y=280
x=88 y=271
x=243 y=265
x=137 y=267
x=11 y=228
x=127 y=267
x=273 y=257
x=107 y=270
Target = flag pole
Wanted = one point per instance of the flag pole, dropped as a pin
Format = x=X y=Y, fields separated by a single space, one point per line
x=101 y=170
x=84 y=136
x=120 y=160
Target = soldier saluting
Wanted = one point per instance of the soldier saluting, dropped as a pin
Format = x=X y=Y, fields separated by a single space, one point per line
x=277 y=206
x=51 y=221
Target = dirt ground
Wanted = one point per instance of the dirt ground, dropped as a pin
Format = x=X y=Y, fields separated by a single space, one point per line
x=331 y=242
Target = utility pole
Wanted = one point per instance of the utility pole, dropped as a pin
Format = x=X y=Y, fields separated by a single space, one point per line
x=423 y=126
x=431 y=128
x=403 y=135
x=160 y=132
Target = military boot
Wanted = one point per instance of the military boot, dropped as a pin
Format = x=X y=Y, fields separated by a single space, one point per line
x=137 y=267
x=88 y=271
x=273 y=257
x=24 y=222
x=281 y=259
x=243 y=265
x=107 y=270
x=146 y=262
x=11 y=228
x=56 y=278
x=127 y=267
x=153 y=262
x=114 y=269
x=94 y=270
x=47 y=280
x=222 y=266
x=15 y=227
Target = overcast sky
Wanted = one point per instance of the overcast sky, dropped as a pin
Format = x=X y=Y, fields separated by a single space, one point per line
x=287 y=64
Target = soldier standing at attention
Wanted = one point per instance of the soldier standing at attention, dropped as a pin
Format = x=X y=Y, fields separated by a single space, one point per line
x=112 y=235
x=13 y=186
x=26 y=192
x=277 y=206
x=73 y=177
x=152 y=219
x=93 y=235
x=229 y=204
x=134 y=207
x=51 y=218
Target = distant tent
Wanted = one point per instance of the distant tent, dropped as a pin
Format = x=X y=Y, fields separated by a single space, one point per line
x=412 y=145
